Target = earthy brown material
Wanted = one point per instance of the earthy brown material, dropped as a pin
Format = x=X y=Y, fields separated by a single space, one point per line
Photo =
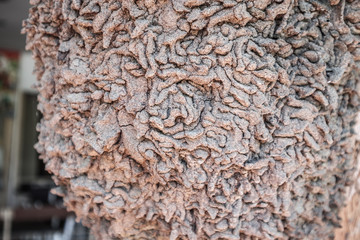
x=194 y=119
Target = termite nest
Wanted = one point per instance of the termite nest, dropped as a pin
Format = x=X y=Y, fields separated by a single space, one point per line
x=194 y=119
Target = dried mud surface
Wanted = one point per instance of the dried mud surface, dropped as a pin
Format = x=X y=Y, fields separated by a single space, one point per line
x=194 y=119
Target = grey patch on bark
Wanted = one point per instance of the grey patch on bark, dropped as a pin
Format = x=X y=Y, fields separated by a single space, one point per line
x=198 y=119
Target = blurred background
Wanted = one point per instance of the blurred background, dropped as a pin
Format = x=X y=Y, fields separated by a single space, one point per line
x=27 y=208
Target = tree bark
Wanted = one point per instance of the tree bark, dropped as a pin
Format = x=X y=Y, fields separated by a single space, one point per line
x=194 y=119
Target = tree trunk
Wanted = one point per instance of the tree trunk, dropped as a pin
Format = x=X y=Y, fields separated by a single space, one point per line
x=194 y=119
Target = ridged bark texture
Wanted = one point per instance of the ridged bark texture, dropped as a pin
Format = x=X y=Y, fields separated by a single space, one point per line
x=195 y=119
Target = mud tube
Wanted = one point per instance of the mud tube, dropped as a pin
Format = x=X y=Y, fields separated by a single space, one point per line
x=194 y=119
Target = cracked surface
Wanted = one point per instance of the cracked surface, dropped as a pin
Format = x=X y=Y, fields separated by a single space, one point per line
x=194 y=119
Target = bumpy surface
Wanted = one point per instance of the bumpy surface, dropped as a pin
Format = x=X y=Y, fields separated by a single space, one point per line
x=194 y=119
